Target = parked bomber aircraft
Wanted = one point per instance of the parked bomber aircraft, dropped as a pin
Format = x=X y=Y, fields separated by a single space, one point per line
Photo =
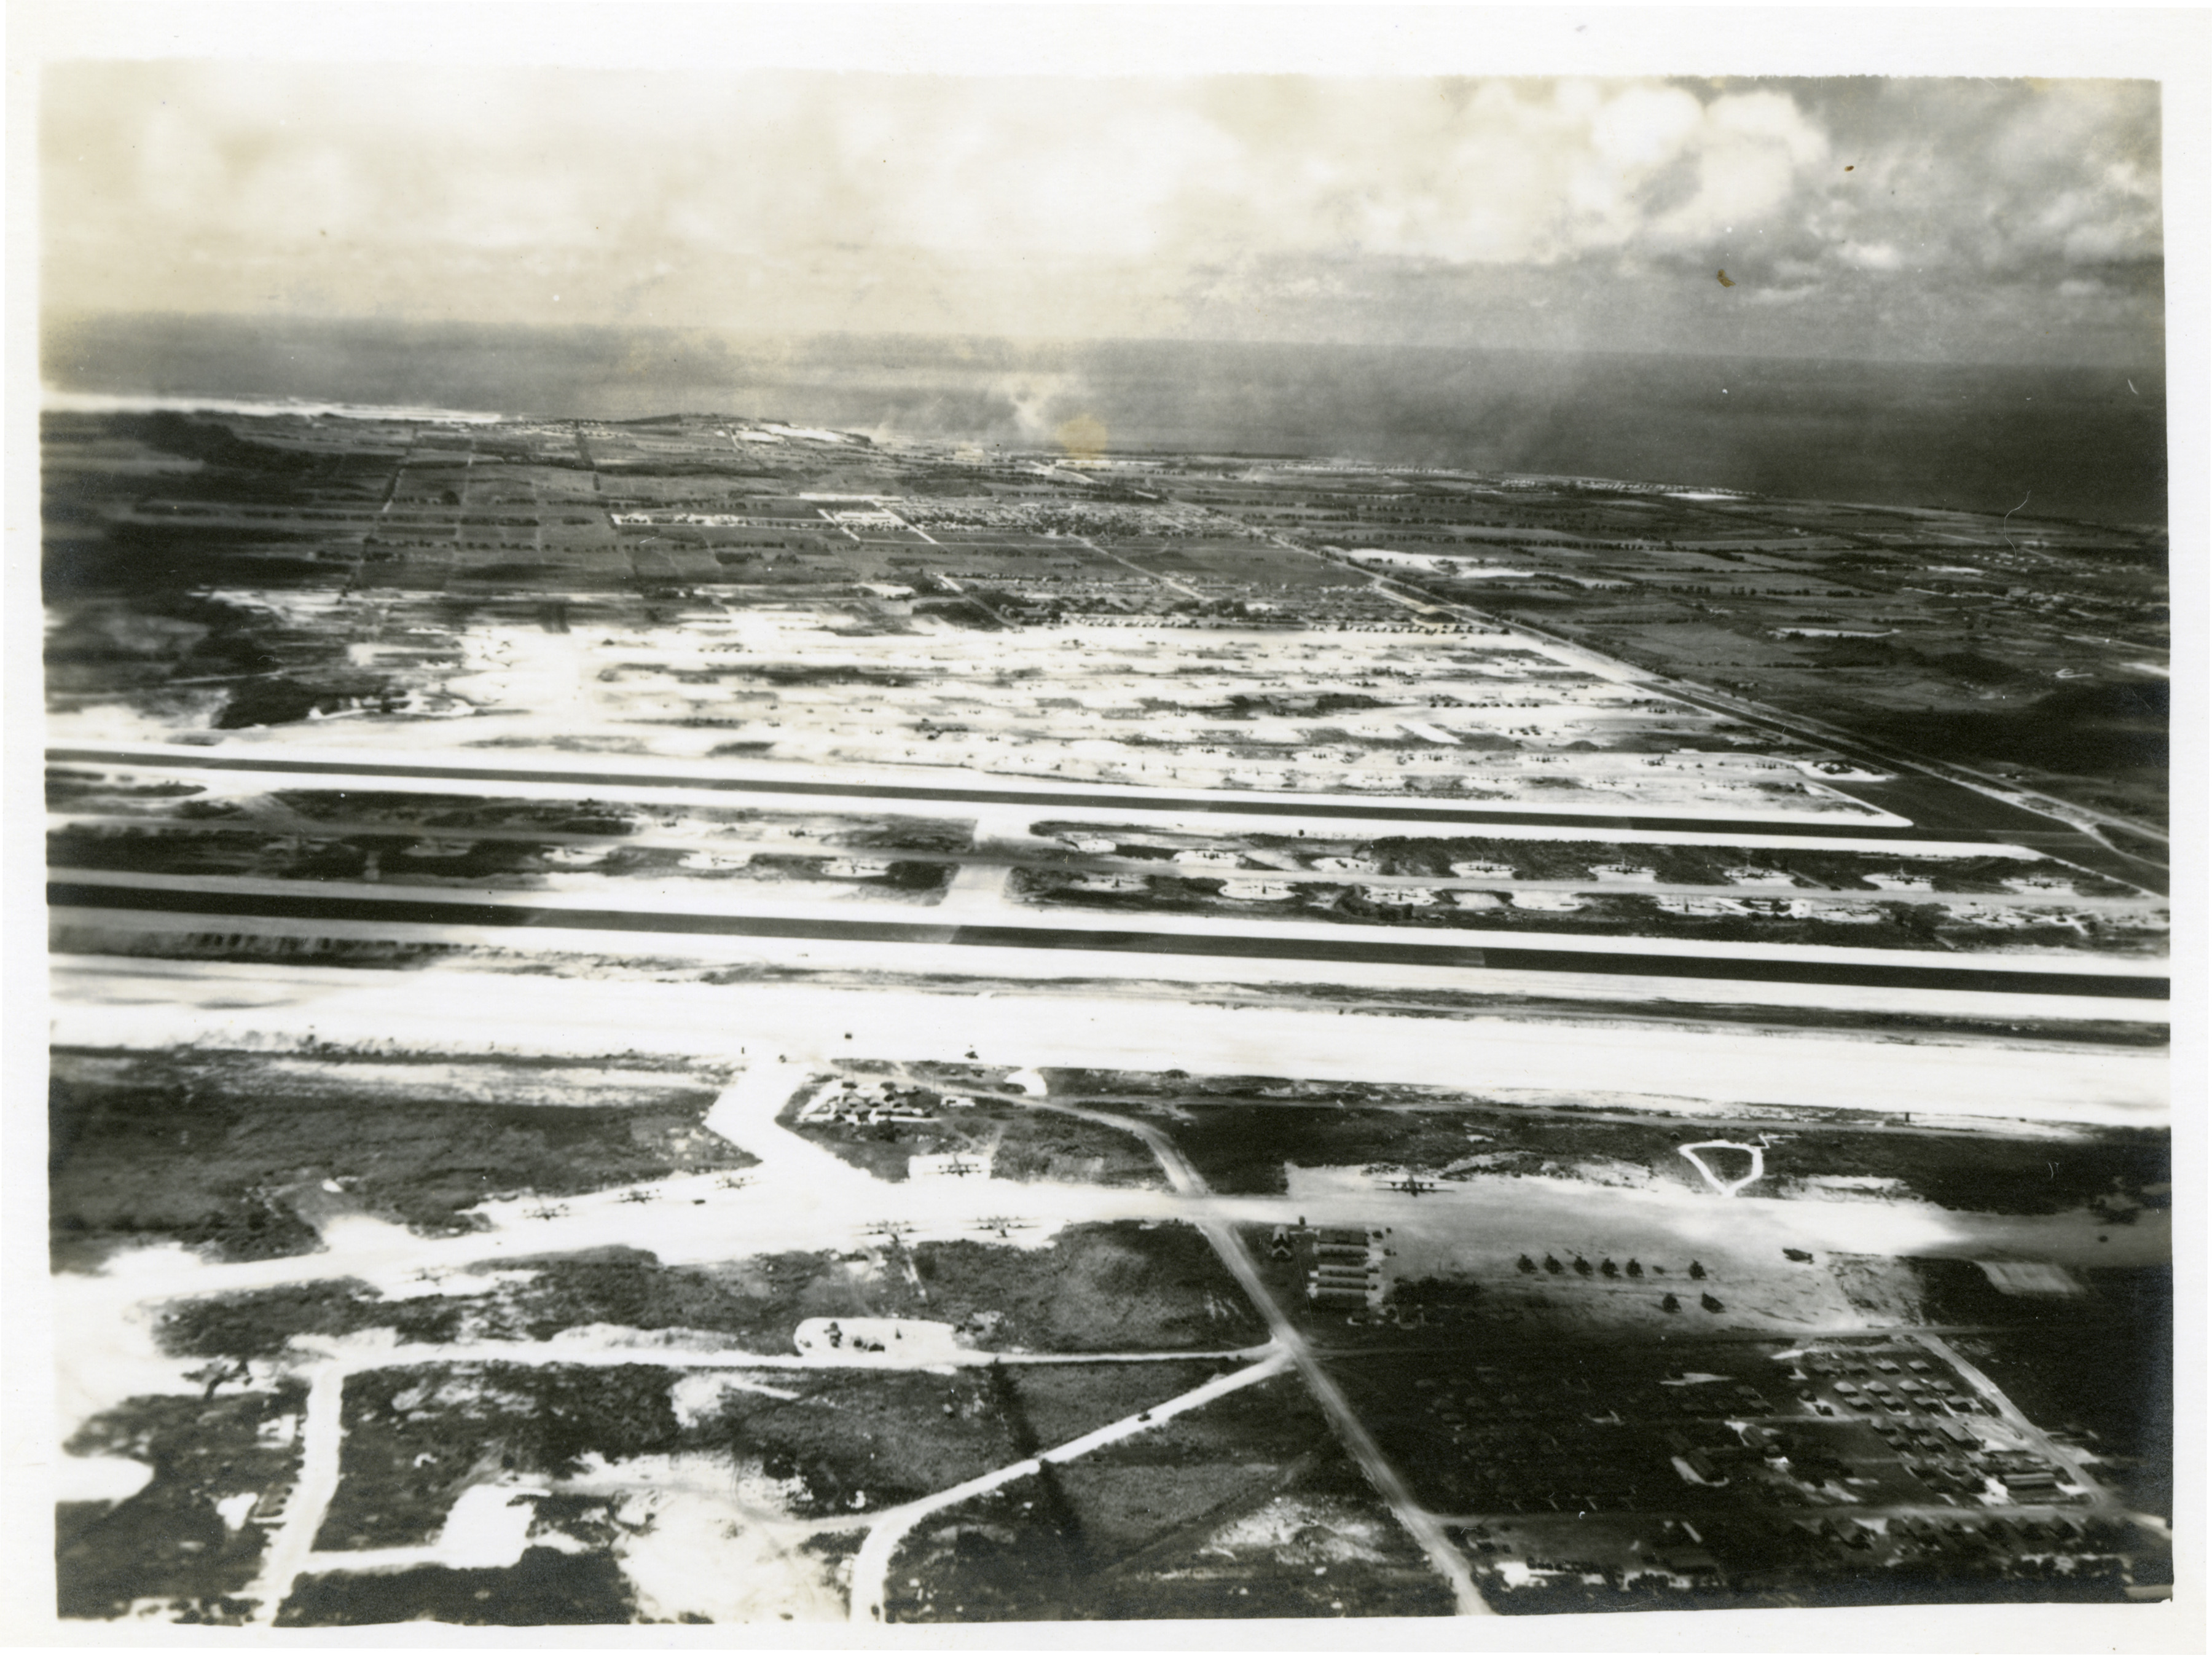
x=1411 y=1183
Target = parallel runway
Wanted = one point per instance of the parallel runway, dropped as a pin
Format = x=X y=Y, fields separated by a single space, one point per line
x=1332 y=807
x=2012 y=976
x=988 y=936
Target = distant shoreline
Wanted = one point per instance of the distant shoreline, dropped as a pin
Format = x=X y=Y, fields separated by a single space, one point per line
x=2086 y=444
x=51 y=401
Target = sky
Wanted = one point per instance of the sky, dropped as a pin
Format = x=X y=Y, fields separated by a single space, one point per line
x=1868 y=218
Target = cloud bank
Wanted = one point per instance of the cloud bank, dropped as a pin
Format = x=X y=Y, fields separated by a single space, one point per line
x=2002 y=221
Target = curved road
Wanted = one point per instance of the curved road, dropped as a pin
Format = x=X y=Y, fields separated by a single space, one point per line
x=1427 y=1532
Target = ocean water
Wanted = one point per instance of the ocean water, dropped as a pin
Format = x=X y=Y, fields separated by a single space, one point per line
x=2063 y=442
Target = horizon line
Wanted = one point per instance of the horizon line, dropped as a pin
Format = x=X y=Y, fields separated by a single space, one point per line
x=52 y=316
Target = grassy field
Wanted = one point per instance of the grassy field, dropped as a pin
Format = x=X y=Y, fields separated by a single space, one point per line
x=830 y=1442
x=168 y=1540
x=755 y=1303
x=834 y=1442
x=1246 y=1508
x=1126 y=1286
x=1046 y=1406
x=855 y=1441
x=1241 y=1144
x=1200 y=1466
x=415 y=1437
x=1095 y=1287
x=212 y=1150
x=546 y=1587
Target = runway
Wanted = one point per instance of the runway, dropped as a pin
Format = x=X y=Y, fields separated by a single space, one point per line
x=101 y=1000
x=428 y=916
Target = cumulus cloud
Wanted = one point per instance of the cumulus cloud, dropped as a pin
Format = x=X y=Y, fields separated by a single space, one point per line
x=1879 y=255
x=1077 y=207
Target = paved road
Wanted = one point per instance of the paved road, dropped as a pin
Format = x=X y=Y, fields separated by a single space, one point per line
x=322 y=1435
x=1227 y=1244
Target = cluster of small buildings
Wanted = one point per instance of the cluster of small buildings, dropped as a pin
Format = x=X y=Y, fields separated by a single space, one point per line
x=1346 y=1268
x=1867 y=1381
x=1673 y=1554
x=848 y=1102
x=1674 y=1558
